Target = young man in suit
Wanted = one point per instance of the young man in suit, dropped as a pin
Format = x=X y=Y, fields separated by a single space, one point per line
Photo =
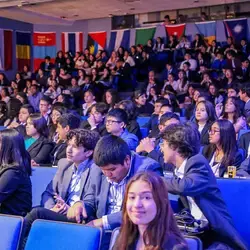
x=70 y=182
x=195 y=182
x=245 y=97
x=65 y=123
x=115 y=165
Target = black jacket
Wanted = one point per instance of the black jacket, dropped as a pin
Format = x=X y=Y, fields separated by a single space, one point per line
x=134 y=128
x=59 y=152
x=15 y=192
x=101 y=128
x=40 y=150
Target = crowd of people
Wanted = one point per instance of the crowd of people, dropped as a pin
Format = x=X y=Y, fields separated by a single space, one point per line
x=79 y=114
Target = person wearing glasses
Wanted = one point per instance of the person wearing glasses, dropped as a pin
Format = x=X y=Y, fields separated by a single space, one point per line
x=116 y=122
x=222 y=150
x=195 y=182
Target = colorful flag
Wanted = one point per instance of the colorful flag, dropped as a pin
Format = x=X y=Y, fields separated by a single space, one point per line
x=236 y=28
x=23 y=45
x=177 y=30
x=96 y=41
x=142 y=35
x=119 y=38
x=44 y=44
x=8 y=51
x=72 y=42
x=208 y=30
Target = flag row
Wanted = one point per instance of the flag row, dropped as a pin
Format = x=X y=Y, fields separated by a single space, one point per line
x=43 y=44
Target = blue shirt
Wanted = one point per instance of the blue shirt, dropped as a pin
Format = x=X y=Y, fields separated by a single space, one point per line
x=73 y=194
x=34 y=101
x=130 y=139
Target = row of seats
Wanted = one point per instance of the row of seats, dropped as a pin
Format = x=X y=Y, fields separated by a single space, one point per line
x=51 y=235
x=235 y=193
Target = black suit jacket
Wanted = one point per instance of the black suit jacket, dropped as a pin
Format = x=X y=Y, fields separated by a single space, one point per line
x=200 y=183
x=61 y=181
x=40 y=150
x=15 y=191
x=244 y=141
x=58 y=153
x=101 y=128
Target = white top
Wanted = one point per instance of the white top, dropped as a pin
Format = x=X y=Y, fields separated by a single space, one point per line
x=215 y=168
x=195 y=210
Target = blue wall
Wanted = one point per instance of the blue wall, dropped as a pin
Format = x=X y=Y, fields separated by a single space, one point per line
x=15 y=26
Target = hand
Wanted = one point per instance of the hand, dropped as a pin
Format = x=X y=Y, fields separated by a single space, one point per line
x=95 y=223
x=219 y=109
x=60 y=208
x=148 y=144
x=34 y=164
x=91 y=121
x=76 y=211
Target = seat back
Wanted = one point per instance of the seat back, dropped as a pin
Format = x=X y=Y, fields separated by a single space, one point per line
x=194 y=243
x=144 y=132
x=63 y=236
x=114 y=236
x=142 y=120
x=41 y=177
x=10 y=228
x=235 y=193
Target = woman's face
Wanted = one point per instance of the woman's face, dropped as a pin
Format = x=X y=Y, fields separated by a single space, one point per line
x=108 y=98
x=94 y=73
x=141 y=207
x=229 y=106
x=1 y=77
x=214 y=134
x=80 y=73
x=3 y=94
x=55 y=115
x=53 y=72
x=201 y=113
x=191 y=91
x=152 y=92
x=30 y=129
x=23 y=115
x=73 y=82
x=141 y=100
x=206 y=77
x=196 y=95
x=60 y=98
x=170 y=78
x=25 y=68
x=158 y=40
x=228 y=74
x=180 y=75
x=18 y=76
x=212 y=90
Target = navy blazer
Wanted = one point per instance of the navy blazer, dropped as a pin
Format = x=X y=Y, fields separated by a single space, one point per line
x=200 y=183
x=61 y=181
x=40 y=150
x=96 y=197
x=15 y=191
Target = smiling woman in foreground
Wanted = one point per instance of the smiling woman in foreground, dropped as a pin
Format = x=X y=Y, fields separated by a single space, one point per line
x=148 y=221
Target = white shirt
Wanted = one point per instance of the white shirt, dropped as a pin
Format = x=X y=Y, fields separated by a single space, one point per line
x=193 y=64
x=195 y=210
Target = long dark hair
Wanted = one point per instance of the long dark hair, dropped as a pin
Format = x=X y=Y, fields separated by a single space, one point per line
x=13 y=152
x=160 y=228
x=227 y=142
x=40 y=124
x=237 y=112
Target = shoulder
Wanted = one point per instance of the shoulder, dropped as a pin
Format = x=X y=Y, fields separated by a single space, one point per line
x=143 y=163
x=63 y=164
x=10 y=172
x=197 y=161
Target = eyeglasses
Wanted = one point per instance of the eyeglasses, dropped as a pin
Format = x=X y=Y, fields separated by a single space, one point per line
x=110 y=122
x=212 y=132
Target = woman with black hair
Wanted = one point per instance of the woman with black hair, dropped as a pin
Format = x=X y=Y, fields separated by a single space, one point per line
x=3 y=112
x=143 y=108
x=38 y=145
x=198 y=42
x=222 y=150
x=3 y=80
x=111 y=98
x=22 y=97
x=60 y=60
x=5 y=95
x=26 y=73
x=204 y=116
x=159 y=45
x=21 y=84
x=132 y=126
x=215 y=96
x=15 y=171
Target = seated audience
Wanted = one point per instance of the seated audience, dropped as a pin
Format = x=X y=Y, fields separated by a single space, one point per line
x=116 y=122
x=143 y=108
x=3 y=113
x=111 y=98
x=195 y=181
x=148 y=220
x=89 y=98
x=15 y=171
x=38 y=145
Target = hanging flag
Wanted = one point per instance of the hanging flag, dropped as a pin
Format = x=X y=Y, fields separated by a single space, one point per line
x=208 y=30
x=236 y=28
x=8 y=52
x=72 y=42
x=23 y=44
x=96 y=41
x=119 y=38
x=44 y=44
x=142 y=35
x=1 y=50
x=177 y=30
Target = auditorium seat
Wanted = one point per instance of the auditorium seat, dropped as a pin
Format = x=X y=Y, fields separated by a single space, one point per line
x=194 y=243
x=235 y=193
x=142 y=120
x=41 y=176
x=84 y=118
x=144 y=132
x=63 y=236
x=10 y=228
